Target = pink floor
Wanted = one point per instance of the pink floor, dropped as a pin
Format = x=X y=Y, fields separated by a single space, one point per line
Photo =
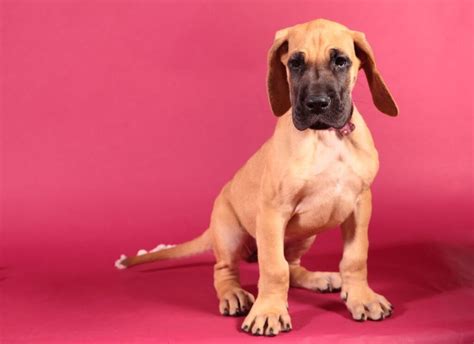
x=66 y=297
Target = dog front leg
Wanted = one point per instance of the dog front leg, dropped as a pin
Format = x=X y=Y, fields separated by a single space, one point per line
x=361 y=300
x=269 y=314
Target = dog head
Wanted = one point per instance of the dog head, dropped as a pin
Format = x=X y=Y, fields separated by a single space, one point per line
x=313 y=68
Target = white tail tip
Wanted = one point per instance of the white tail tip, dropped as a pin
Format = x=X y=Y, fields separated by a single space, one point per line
x=119 y=262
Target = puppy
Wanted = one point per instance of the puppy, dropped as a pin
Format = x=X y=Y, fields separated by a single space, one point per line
x=314 y=173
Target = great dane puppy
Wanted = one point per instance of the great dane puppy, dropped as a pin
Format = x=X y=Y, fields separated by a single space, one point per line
x=314 y=173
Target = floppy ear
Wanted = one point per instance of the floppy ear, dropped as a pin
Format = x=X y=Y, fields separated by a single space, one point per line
x=380 y=94
x=277 y=84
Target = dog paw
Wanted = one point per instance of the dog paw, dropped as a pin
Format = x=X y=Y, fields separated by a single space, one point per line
x=236 y=302
x=267 y=319
x=323 y=282
x=365 y=304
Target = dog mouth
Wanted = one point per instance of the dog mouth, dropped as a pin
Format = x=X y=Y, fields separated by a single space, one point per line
x=342 y=126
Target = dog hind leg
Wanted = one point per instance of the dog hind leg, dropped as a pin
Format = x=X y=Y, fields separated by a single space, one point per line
x=302 y=278
x=228 y=241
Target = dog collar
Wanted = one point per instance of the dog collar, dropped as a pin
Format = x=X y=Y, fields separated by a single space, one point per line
x=345 y=130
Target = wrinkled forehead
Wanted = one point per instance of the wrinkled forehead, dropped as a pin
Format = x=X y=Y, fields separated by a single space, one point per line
x=317 y=41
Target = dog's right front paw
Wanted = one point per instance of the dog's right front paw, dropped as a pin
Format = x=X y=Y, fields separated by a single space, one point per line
x=267 y=319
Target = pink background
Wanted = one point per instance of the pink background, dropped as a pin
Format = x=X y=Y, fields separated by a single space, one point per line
x=121 y=121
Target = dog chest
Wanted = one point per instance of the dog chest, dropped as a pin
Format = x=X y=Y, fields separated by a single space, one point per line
x=332 y=184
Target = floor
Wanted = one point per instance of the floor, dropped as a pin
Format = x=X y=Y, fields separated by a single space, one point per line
x=66 y=296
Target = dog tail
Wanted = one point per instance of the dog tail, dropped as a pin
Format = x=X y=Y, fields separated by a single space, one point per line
x=162 y=252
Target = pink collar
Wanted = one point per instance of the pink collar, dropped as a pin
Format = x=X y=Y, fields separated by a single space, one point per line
x=345 y=130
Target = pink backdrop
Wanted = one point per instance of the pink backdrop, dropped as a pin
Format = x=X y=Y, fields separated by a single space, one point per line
x=122 y=120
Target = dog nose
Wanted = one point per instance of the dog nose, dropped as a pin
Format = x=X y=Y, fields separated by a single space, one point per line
x=318 y=104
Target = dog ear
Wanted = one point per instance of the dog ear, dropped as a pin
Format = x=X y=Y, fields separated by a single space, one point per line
x=277 y=83
x=381 y=96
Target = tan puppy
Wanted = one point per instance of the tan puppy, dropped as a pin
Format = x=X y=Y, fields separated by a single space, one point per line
x=314 y=173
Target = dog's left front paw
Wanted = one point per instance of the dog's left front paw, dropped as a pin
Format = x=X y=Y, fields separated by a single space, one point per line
x=267 y=319
x=365 y=304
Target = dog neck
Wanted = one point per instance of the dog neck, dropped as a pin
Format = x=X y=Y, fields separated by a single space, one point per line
x=292 y=146
x=345 y=130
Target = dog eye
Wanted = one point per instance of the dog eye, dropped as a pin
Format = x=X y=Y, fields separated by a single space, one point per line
x=296 y=61
x=341 y=62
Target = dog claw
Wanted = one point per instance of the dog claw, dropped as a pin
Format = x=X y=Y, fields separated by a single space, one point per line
x=380 y=318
